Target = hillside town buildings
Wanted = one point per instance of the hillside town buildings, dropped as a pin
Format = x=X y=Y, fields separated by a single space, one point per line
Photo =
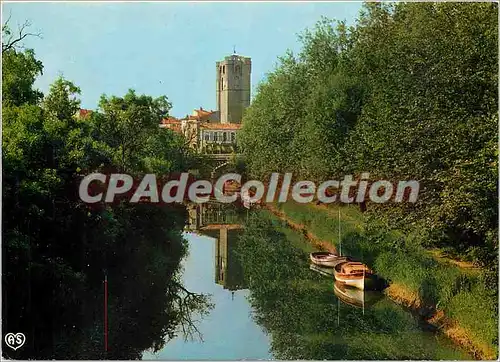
x=215 y=131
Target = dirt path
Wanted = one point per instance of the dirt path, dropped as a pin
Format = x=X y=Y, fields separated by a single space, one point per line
x=313 y=239
x=436 y=254
x=464 y=265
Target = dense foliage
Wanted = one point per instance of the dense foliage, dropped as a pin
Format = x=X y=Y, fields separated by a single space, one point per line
x=429 y=284
x=299 y=310
x=409 y=92
x=56 y=250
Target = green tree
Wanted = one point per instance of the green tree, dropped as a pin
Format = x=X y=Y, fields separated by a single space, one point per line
x=408 y=92
x=59 y=249
x=126 y=124
x=19 y=68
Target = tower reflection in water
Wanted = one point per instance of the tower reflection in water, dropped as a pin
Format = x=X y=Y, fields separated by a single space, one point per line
x=221 y=222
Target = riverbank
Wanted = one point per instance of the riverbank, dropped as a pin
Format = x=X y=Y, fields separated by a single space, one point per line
x=448 y=298
x=309 y=319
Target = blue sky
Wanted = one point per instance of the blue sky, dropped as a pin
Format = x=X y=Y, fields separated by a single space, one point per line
x=163 y=48
x=230 y=323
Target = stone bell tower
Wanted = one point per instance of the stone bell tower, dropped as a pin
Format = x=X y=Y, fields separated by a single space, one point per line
x=233 y=87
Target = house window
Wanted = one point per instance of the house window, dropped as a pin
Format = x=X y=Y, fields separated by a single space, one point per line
x=233 y=137
x=220 y=136
x=224 y=136
x=207 y=136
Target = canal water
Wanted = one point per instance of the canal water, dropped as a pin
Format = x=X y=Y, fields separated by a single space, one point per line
x=228 y=331
x=238 y=284
x=269 y=302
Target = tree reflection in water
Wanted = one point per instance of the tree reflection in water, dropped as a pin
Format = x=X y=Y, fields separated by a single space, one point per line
x=59 y=303
x=298 y=307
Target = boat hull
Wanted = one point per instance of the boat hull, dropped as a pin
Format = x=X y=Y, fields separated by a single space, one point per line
x=327 y=260
x=351 y=296
x=355 y=297
x=359 y=283
x=357 y=280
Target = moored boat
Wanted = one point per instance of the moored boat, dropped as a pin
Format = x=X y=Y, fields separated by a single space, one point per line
x=327 y=259
x=354 y=274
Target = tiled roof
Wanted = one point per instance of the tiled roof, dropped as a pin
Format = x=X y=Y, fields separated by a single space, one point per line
x=200 y=114
x=221 y=126
x=174 y=127
x=203 y=112
x=84 y=112
x=170 y=120
x=171 y=123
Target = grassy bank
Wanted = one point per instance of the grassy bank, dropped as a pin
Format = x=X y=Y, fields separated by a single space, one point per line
x=456 y=300
x=299 y=310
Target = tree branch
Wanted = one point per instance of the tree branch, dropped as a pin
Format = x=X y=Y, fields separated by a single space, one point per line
x=188 y=304
x=12 y=41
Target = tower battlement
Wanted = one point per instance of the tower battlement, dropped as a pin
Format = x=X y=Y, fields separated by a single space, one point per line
x=233 y=87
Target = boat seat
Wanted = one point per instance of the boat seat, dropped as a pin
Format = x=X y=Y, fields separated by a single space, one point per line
x=354 y=267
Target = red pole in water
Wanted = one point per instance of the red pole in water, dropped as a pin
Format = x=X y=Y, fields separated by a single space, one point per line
x=106 y=312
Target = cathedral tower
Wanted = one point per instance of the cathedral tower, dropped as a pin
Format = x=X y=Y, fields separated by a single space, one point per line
x=233 y=87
